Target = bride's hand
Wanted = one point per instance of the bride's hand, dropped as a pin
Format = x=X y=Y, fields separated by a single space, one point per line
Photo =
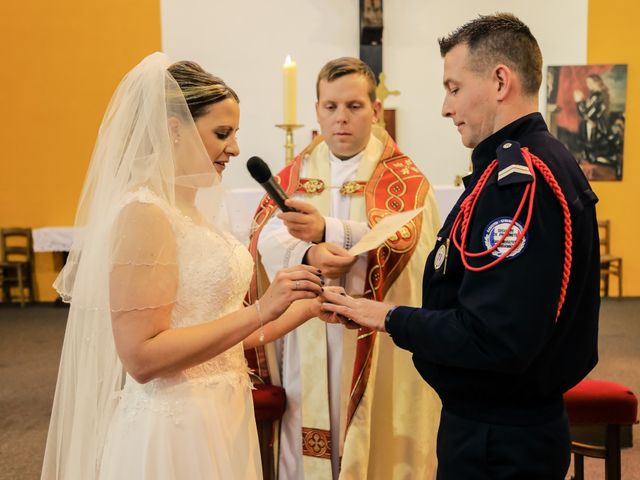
x=314 y=307
x=311 y=308
x=290 y=284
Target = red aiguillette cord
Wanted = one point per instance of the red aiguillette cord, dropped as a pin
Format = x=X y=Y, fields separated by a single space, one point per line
x=463 y=219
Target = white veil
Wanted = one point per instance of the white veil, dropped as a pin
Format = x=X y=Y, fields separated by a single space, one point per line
x=147 y=140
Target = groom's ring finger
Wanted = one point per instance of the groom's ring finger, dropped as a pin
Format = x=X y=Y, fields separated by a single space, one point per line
x=296 y=285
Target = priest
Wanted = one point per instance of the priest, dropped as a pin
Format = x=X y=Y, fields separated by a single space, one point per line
x=356 y=409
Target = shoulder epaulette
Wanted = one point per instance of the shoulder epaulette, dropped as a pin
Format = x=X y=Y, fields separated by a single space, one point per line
x=512 y=168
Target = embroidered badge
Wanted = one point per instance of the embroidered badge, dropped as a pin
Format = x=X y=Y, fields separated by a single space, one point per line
x=310 y=185
x=496 y=230
x=440 y=256
x=353 y=187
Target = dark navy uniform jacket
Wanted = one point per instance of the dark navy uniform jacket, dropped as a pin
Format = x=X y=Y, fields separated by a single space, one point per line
x=488 y=342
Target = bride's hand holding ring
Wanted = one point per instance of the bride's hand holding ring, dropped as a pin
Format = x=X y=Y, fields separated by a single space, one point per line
x=288 y=285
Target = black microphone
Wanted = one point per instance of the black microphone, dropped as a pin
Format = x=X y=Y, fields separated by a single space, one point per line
x=261 y=173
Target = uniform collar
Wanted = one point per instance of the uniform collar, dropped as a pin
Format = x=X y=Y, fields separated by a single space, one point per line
x=485 y=151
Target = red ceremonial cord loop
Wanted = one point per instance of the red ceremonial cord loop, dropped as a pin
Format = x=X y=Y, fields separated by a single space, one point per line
x=463 y=220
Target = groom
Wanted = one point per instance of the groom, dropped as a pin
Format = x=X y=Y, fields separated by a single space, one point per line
x=509 y=320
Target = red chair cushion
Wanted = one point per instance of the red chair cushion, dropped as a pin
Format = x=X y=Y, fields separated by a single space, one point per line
x=601 y=402
x=269 y=402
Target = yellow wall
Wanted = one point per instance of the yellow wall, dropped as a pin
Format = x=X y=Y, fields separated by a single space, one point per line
x=61 y=61
x=613 y=38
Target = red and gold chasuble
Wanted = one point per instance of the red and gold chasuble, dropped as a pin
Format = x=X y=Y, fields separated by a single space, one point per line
x=395 y=186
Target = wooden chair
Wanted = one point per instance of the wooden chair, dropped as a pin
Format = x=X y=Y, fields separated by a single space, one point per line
x=16 y=263
x=607 y=407
x=610 y=265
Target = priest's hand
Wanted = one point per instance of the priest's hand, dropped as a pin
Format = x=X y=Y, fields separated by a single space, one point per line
x=306 y=224
x=364 y=312
x=332 y=260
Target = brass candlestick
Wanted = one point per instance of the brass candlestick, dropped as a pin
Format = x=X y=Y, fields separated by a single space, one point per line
x=457 y=181
x=288 y=142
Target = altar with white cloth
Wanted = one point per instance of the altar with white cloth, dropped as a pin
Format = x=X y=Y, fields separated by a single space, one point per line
x=52 y=239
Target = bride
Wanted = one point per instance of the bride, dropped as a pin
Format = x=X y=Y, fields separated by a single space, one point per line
x=153 y=382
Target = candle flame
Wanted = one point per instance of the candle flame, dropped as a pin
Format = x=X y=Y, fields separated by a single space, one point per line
x=288 y=60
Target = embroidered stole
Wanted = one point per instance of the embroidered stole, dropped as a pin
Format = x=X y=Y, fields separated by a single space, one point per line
x=312 y=337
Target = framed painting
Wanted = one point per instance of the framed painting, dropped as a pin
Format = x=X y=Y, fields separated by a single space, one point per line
x=586 y=107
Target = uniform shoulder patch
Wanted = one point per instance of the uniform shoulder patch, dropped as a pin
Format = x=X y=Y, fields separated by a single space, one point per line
x=499 y=237
x=512 y=169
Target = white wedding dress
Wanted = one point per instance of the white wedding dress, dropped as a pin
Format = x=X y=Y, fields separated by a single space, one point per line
x=198 y=424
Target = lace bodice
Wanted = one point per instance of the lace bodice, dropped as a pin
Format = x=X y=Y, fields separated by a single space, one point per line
x=214 y=271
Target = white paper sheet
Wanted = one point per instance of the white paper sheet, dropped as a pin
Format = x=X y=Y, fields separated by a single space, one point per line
x=383 y=230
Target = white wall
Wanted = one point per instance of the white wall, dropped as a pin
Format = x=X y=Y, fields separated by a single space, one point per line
x=412 y=64
x=245 y=42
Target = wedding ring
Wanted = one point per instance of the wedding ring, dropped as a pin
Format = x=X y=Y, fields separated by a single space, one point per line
x=297 y=285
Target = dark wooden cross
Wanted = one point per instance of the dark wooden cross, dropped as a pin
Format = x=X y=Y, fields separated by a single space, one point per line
x=371 y=26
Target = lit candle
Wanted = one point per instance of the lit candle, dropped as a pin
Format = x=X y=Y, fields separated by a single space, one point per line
x=289 y=74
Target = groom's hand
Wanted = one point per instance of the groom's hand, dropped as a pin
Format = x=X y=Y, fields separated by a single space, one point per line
x=364 y=312
x=331 y=317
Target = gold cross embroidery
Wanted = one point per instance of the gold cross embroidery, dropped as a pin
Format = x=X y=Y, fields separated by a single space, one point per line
x=406 y=167
x=352 y=187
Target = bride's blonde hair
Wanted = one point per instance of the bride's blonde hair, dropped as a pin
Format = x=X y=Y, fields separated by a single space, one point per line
x=199 y=87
